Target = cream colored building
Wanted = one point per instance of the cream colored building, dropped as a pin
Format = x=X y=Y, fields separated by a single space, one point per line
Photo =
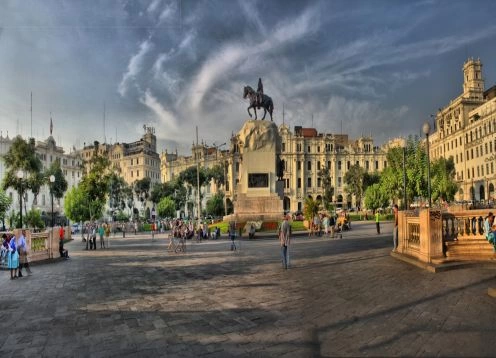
x=465 y=129
x=48 y=152
x=305 y=152
x=135 y=161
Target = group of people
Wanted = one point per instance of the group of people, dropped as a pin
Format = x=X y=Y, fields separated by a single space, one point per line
x=102 y=230
x=14 y=250
x=328 y=224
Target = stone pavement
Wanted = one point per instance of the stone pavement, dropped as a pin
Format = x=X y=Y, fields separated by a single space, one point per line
x=341 y=297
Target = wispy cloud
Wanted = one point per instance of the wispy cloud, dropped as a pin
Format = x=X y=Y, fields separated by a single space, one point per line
x=223 y=60
x=166 y=119
x=134 y=67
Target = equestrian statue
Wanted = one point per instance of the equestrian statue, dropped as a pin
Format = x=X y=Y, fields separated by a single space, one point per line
x=258 y=100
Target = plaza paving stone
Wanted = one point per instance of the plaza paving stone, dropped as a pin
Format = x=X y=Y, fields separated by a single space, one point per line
x=341 y=297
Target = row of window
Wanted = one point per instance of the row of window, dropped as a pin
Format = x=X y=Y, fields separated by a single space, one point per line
x=328 y=148
x=148 y=174
x=309 y=182
x=480 y=171
x=299 y=165
x=473 y=135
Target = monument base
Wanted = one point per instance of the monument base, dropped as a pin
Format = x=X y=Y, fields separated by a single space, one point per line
x=257 y=208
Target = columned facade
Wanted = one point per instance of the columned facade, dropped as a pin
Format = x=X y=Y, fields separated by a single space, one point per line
x=465 y=129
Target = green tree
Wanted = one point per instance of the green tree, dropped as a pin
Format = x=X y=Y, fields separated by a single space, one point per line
x=33 y=219
x=215 y=205
x=76 y=205
x=22 y=156
x=5 y=203
x=325 y=175
x=59 y=187
x=189 y=178
x=443 y=185
x=375 y=197
x=354 y=182
x=117 y=192
x=310 y=209
x=217 y=174
x=142 y=189
x=166 y=208
x=93 y=188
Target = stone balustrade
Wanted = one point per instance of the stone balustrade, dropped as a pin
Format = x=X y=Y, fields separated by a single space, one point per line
x=433 y=236
x=43 y=245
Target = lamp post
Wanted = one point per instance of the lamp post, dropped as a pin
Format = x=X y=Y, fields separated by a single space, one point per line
x=52 y=181
x=403 y=146
x=20 y=176
x=426 y=128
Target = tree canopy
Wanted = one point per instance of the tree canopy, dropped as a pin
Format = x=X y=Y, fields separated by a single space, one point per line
x=22 y=156
x=166 y=208
x=59 y=187
x=443 y=185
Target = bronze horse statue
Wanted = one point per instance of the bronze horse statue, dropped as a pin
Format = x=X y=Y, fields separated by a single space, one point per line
x=266 y=103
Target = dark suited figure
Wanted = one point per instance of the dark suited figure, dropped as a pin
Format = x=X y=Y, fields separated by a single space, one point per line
x=259 y=93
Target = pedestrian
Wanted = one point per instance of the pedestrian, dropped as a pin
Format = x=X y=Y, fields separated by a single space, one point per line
x=13 y=258
x=284 y=240
x=232 y=234
x=63 y=252
x=23 y=253
x=101 y=233
x=395 y=230
x=93 y=237
x=332 y=225
x=135 y=227
x=377 y=224
x=325 y=222
x=107 y=235
x=316 y=223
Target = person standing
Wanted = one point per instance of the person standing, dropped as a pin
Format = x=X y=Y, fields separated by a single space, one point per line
x=23 y=253
x=284 y=240
x=395 y=230
x=13 y=258
x=107 y=235
x=232 y=234
x=377 y=223
x=101 y=233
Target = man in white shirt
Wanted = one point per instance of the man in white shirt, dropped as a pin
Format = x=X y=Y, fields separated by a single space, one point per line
x=284 y=239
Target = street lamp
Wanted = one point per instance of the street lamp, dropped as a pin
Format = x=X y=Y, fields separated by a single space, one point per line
x=52 y=180
x=20 y=176
x=426 y=128
x=403 y=146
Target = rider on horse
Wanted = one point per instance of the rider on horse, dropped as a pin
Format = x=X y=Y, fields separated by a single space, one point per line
x=259 y=93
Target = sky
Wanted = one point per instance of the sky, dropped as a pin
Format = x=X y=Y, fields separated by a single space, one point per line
x=368 y=67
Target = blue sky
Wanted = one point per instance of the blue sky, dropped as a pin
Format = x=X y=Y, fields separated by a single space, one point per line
x=374 y=67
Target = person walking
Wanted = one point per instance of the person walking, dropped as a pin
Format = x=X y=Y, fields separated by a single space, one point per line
x=377 y=223
x=13 y=258
x=284 y=240
x=395 y=230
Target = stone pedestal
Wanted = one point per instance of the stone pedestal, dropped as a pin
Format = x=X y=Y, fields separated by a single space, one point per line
x=257 y=195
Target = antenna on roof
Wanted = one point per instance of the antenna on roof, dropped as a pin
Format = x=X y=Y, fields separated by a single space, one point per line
x=104 y=136
x=31 y=114
x=283 y=113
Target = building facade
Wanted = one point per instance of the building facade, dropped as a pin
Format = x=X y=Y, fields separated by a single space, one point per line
x=305 y=152
x=134 y=161
x=48 y=152
x=465 y=130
